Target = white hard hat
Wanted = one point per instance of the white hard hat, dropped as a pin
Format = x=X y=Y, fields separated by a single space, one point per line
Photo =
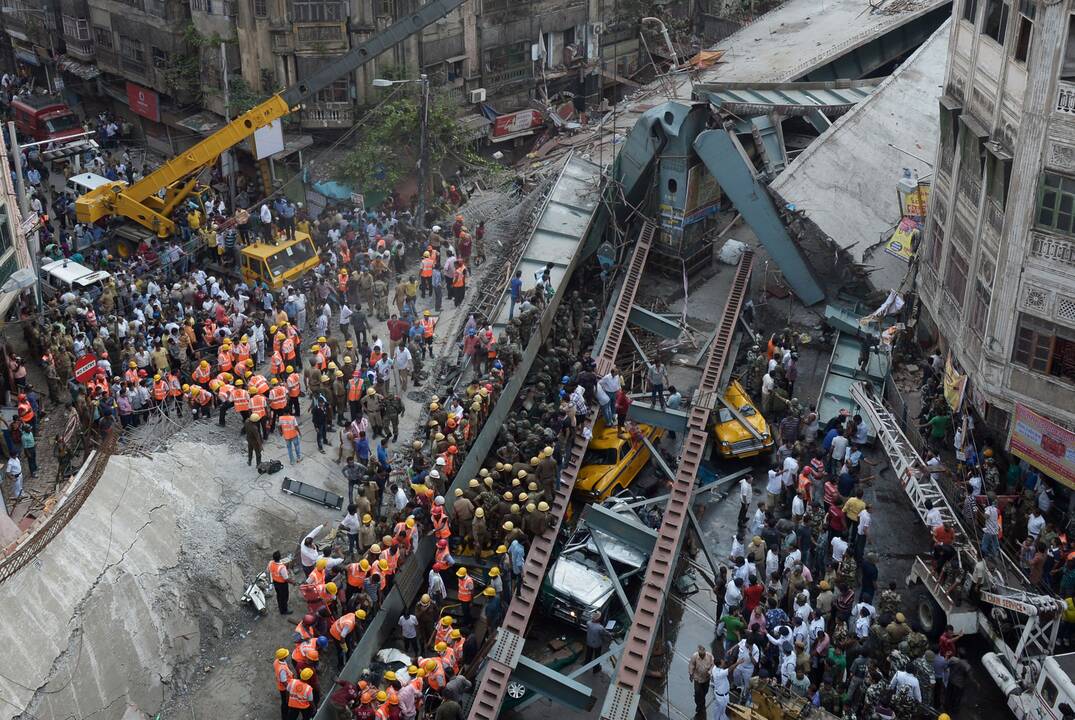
x=436 y=228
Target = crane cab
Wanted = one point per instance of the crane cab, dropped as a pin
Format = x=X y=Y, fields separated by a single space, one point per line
x=277 y=265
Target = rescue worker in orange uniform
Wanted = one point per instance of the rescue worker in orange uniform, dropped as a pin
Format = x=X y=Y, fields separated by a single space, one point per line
x=354 y=395
x=223 y=393
x=242 y=350
x=282 y=674
x=259 y=405
x=341 y=631
x=224 y=357
x=160 y=393
x=240 y=400
x=442 y=559
x=465 y=587
x=131 y=374
x=276 y=364
x=301 y=696
x=277 y=401
x=175 y=393
x=436 y=678
x=429 y=324
x=294 y=390
x=281 y=582
x=425 y=272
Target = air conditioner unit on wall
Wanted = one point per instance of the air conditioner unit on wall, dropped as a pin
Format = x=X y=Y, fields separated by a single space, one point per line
x=598 y=28
x=477 y=95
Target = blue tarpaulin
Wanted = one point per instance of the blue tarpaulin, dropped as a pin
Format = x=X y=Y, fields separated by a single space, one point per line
x=333 y=189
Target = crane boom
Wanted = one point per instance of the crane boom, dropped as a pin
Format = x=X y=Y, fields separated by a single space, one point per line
x=140 y=202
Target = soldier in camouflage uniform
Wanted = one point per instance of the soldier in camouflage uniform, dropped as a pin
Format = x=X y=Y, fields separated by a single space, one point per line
x=889 y=603
x=922 y=668
x=380 y=299
x=392 y=410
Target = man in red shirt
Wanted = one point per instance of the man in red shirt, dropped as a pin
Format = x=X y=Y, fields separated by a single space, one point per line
x=752 y=594
x=397 y=331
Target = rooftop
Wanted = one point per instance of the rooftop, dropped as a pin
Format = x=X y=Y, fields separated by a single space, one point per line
x=845 y=182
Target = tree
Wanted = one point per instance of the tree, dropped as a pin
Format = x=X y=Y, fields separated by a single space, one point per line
x=387 y=150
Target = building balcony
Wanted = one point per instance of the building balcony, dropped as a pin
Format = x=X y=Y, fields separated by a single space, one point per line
x=1065 y=98
x=281 y=42
x=969 y=187
x=328 y=115
x=320 y=38
x=995 y=216
x=79 y=49
x=519 y=73
x=1052 y=249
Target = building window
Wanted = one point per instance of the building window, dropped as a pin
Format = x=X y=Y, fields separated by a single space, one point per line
x=936 y=244
x=949 y=136
x=507 y=56
x=970 y=10
x=160 y=58
x=1024 y=35
x=955 y=280
x=317 y=10
x=980 y=308
x=132 y=49
x=995 y=22
x=493 y=6
x=1067 y=68
x=102 y=36
x=1056 y=203
x=205 y=6
x=337 y=92
x=268 y=81
x=1044 y=347
x=259 y=8
x=1000 y=175
x=387 y=8
x=77 y=28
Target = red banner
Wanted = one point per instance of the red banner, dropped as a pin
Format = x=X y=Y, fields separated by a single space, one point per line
x=144 y=102
x=516 y=123
x=1043 y=444
x=85 y=367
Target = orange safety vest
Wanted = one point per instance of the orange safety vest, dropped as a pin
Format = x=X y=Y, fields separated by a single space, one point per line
x=441 y=528
x=448 y=657
x=204 y=397
x=392 y=558
x=427 y=267
x=276 y=363
x=304 y=632
x=160 y=390
x=375 y=356
x=427 y=327
x=200 y=375
x=356 y=576
x=277 y=397
x=316 y=577
x=299 y=694
x=288 y=349
x=460 y=274
x=175 y=388
x=294 y=385
x=342 y=279
x=342 y=627
x=131 y=376
x=26 y=411
x=242 y=352
x=224 y=393
x=304 y=650
x=258 y=384
x=210 y=332
x=277 y=571
x=283 y=674
x=259 y=404
x=466 y=588
x=354 y=389
x=289 y=426
x=224 y=359
x=440 y=562
x=381 y=713
x=240 y=399
x=436 y=679
x=441 y=635
x=322 y=361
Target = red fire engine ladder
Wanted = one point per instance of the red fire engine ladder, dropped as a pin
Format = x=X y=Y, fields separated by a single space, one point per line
x=622 y=700
x=504 y=657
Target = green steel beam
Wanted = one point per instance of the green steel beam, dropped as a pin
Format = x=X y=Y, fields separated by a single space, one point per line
x=656 y=324
x=610 y=522
x=669 y=419
x=552 y=684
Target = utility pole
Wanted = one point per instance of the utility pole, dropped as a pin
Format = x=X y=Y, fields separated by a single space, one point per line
x=229 y=154
x=24 y=212
x=423 y=153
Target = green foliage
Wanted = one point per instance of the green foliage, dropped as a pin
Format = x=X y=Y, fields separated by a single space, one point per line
x=388 y=147
x=242 y=97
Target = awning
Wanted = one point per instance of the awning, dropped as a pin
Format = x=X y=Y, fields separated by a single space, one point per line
x=455 y=58
x=474 y=126
x=203 y=123
x=25 y=56
x=78 y=69
x=973 y=125
x=292 y=145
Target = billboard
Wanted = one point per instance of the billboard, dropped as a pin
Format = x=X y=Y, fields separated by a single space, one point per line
x=144 y=102
x=1043 y=444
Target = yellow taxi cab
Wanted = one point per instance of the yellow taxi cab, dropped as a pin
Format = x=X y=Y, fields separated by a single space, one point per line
x=730 y=438
x=612 y=461
x=280 y=264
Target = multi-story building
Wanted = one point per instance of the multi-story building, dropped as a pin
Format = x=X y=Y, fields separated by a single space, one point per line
x=32 y=27
x=997 y=275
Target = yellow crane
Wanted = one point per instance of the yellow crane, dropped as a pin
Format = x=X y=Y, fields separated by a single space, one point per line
x=144 y=203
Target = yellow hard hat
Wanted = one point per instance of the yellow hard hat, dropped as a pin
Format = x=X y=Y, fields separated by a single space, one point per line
x=430 y=665
x=441 y=646
x=543 y=506
x=274 y=381
x=426 y=599
x=446 y=620
x=282 y=653
x=412 y=670
x=239 y=382
x=426 y=313
x=289 y=369
x=157 y=376
x=390 y=676
x=434 y=406
x=383 y=564
x=254 y=417
x=330 y=588
x=367 y=518
x=244 y=338
x=203 y=363
x=315 y=348
x=186 y=388
x=346 y=359
x=306 y=674
x=375 y=548
x=133 y=364
x=272 y=328
x=321 y=563
x=479 y=512
x=360 y=614
x=382 y=696
x=473 y=483
x=489 y=592
x=501 y=549
x=322 y=339
x=410 y=520
x=364 y=564
x=508 y=526
x=349 y=344
x=324 y=378
x=461 y=572
x=494 y=572
x=425 y=254
x=371 y=391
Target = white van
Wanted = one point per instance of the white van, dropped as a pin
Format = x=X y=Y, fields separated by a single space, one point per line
x=84 y=182
x=61 y=276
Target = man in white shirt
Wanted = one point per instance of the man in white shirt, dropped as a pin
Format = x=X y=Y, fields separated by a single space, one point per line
x=991 y=531
x=839 y=548
x=1034 y=524
x=772 y=488
x=904 y=679
x=746 y=496
x=350 y=524
x=13 y=470
x=933 y=516
x=733 y=596
x=720 y=681
x=402 y=363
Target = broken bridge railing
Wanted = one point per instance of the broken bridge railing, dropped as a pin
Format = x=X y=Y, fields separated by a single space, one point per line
x=41 y=533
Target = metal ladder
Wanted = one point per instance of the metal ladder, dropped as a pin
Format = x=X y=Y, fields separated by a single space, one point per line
x=503 y=657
